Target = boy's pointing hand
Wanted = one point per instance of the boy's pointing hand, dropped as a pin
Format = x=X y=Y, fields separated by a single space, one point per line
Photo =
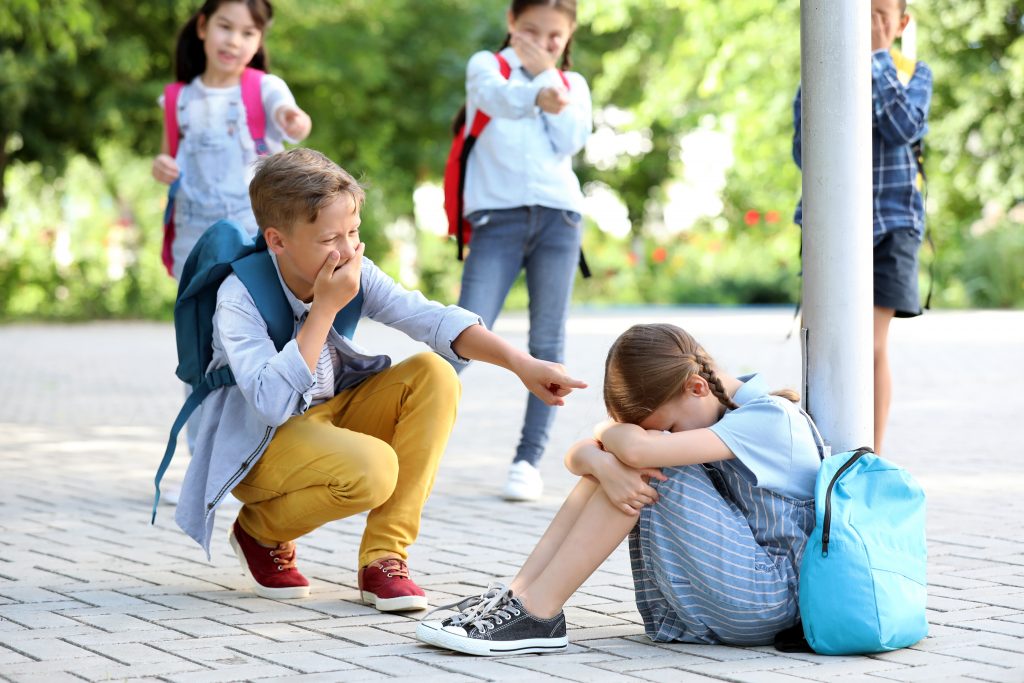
x=548 y=381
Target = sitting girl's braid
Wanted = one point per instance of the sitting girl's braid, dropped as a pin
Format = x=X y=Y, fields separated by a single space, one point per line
x=712 y=379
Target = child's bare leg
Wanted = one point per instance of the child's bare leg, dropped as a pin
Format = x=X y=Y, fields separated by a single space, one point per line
x=556 y=533
x=597 y=531
x=883 y=374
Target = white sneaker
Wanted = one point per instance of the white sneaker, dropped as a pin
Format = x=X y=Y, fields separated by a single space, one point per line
x=524 y=482
x=170 y=494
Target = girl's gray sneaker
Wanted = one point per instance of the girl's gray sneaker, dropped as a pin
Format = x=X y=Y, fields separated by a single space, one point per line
x=499 y=626
x=464 y=609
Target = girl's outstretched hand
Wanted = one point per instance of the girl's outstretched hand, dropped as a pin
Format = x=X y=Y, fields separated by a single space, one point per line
x=165 y=168
x=547 y=381
x=295 y=123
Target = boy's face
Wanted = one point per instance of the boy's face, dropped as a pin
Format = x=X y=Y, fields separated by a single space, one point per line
x=302 y=251
x=887 y=23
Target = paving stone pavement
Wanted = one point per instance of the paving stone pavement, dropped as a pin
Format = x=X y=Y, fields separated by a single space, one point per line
x=90 y=591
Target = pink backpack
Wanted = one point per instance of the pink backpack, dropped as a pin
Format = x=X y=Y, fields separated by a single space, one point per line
x=255 y=117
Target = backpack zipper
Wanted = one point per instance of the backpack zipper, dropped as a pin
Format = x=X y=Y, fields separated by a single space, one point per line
x=828 y=496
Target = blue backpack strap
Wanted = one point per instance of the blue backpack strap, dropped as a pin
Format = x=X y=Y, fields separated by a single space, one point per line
x=258 y=274
x=214 y=380
x=823 y=450
x=348 y=317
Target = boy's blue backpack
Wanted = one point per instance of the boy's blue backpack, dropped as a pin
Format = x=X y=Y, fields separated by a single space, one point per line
x=863 y=583
x=226 y=248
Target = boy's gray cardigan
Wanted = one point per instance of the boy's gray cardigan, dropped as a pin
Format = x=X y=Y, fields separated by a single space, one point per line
x=237 y=422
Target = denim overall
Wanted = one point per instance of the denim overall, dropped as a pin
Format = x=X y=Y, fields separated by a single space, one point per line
x=215 y=160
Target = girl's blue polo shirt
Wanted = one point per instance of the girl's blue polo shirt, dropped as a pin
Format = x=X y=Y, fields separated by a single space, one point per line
x=772 y=439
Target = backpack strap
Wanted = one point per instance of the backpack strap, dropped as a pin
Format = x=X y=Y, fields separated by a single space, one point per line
x=470 y=133
x=215 y=379
x=255 y=116
x=259 y=276
x=171 y=93
x=480 y=119
x=257 y=273
x=823 y=450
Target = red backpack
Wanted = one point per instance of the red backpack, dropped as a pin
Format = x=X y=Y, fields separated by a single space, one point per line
x=255 y=117
x=455 y=169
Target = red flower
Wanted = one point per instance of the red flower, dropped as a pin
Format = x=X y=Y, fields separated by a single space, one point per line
x=659 y=255
x=752 y=217
x=771 y=217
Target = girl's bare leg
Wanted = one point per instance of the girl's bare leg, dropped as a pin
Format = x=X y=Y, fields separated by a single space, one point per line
x=595 y=532
x=556 y=534
x=883 y=374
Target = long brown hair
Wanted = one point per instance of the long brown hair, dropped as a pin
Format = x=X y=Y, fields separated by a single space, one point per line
x=649 y=364
x=567 y=7
x=189 y=56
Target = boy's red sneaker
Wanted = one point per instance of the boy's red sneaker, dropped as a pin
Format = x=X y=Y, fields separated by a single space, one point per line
x=386 y=585
x=272 y=570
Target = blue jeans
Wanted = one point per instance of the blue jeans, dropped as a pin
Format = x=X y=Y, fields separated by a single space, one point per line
x=546 y=242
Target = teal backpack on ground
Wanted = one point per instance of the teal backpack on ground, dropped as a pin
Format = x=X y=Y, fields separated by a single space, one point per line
x=863 y=577
x=226 y=248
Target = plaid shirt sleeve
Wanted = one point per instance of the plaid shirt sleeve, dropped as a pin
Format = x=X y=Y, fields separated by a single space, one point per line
x=797 y=138
x=900 y=113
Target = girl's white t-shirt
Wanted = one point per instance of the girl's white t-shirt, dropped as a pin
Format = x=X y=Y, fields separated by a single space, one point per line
x=524 y=155
x=772 y=439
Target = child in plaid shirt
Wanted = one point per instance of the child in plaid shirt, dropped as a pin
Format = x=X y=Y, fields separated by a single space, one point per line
x=899 y=118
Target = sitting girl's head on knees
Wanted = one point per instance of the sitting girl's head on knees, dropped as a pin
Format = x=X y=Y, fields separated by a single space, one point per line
x=658 y=377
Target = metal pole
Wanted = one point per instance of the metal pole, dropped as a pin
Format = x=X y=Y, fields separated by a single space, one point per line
x=838 y=355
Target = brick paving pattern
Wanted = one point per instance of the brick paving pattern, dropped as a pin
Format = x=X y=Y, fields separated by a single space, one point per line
x=90 y=591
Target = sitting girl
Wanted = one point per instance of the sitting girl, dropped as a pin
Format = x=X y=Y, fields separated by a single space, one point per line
x=712 y=478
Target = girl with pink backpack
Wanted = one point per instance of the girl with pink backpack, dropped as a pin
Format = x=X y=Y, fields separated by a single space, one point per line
x=224 y=111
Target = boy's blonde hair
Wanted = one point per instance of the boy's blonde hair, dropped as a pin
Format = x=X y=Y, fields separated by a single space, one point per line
x=295 y=185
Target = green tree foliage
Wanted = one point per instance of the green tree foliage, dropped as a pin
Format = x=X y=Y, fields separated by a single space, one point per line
x=382 y=86
x=80 y=78
x=680 y=64
x=75 y=74
x=975 y=149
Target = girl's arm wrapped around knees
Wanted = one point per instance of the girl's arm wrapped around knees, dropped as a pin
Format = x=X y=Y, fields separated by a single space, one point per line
x=637 y=447
x=628 y=488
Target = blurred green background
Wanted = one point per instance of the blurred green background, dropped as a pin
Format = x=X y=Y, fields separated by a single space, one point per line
x=689 y=178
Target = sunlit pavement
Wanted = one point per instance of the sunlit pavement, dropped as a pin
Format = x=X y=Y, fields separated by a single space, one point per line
x=90 y=591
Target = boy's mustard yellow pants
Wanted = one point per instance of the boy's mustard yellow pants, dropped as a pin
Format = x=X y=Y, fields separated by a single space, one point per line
x=373 y=447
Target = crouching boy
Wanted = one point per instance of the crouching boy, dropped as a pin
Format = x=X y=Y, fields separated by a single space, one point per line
x=322 y=429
